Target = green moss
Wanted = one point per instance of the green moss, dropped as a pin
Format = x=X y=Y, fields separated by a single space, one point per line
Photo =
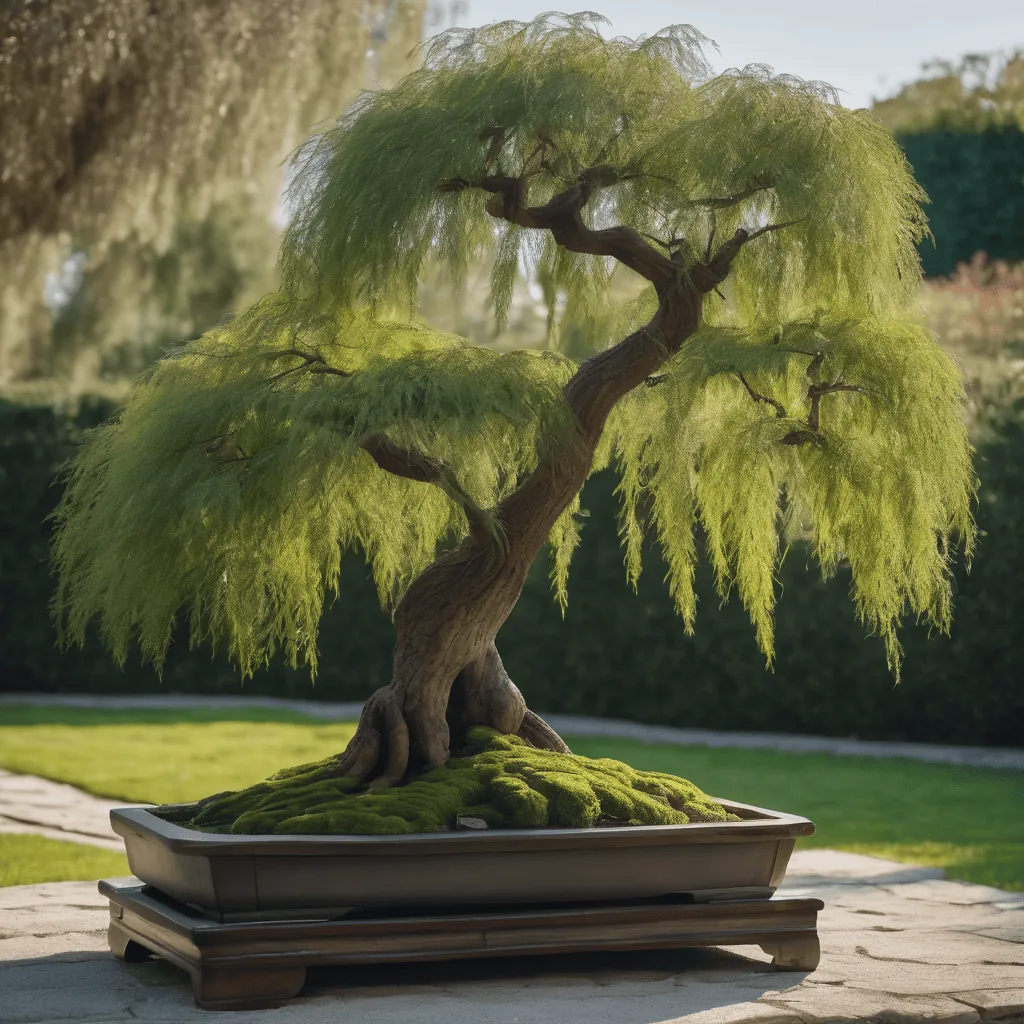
x=495 y=777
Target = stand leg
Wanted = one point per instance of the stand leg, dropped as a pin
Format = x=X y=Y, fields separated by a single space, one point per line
x=794 y=952
x=239 y=988
x=124 y=948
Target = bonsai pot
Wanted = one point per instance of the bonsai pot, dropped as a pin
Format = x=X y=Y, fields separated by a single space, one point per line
x=267 y=877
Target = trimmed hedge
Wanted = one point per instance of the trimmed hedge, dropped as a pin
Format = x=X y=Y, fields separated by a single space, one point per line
x=616 y=654
x=975 y=181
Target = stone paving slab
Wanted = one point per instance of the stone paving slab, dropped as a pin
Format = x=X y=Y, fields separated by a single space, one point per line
x=57 y=810
x=899 y=944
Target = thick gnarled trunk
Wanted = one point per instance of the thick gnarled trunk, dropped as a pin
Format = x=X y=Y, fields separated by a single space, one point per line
x=448 y=675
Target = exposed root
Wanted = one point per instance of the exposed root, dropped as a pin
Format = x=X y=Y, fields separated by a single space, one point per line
x=396 y=758
x=360 y=757
x=403 y=730
x=539 y=734
x=483 y=694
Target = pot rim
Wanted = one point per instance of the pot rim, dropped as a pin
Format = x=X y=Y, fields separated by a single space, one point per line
x=756 y=824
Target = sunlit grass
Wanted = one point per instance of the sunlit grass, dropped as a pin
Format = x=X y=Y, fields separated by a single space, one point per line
x=162 y=756
x=28 y=859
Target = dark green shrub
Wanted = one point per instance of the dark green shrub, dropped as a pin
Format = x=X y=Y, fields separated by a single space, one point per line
x=975 y=180
x=616 y=654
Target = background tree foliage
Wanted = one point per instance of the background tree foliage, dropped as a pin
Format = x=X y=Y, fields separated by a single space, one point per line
x=980 y=91
x=145 y=141
x=962 y=128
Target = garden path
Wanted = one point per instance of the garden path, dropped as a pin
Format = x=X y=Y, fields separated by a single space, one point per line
x=898 y=945
x=55 y=809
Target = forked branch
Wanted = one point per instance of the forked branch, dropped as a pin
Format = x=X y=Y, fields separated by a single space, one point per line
x=814 y=393
x=602 y=380
x=312 y=362
x=708 y=275
x=815 y=390
x=561 y=215
x=413 y=465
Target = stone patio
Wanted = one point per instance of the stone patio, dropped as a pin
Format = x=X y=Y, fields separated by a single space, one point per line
x=42 y=807
x=898 y=944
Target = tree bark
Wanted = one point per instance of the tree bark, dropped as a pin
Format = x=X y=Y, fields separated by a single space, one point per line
x=447 y=673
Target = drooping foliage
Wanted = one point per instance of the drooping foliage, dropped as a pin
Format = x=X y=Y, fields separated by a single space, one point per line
x=497 y=778
x=808 y=405
x=553 y=96
x=232 y=481
x=845 y=432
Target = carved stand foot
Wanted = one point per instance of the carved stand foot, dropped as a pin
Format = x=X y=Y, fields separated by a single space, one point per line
x=794 y=953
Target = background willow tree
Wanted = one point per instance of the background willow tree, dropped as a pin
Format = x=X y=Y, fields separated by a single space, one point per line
x=142 y=149
x=764 y=384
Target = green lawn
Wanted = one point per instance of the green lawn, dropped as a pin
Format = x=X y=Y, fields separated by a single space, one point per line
x=967 y=820
x=27 y=859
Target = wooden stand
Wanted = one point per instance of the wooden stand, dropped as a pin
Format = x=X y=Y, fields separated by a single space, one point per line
x=263 y=963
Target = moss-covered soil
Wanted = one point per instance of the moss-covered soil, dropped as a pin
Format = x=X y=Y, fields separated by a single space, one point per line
x=494 y=777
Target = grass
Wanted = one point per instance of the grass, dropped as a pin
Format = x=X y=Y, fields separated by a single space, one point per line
x=966 y=820
x=162 y=756
x=27 y=859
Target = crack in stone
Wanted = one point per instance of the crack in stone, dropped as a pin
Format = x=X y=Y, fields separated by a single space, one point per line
x=779 y=1005
x=35 y=823
x=899 y=959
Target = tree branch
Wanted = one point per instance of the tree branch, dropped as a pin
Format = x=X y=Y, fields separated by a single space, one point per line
x=721 y=202
x=711 y=238
x=561 y=215
x=602 y=380
x=780 y=411
x=713 y=272
x=815 y=390
x=414 y=465
x=773 y=227
x=814 y=393
x=313 y=362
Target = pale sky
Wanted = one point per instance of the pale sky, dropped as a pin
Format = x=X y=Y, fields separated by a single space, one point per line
x=866 y=49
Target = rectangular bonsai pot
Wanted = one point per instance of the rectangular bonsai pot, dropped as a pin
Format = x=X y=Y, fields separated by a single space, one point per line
x=245 y=877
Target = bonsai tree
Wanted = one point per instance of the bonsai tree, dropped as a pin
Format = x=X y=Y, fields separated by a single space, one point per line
x=764 y=385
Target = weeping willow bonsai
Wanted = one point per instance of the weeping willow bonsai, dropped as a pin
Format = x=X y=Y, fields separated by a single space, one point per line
x=764 y=383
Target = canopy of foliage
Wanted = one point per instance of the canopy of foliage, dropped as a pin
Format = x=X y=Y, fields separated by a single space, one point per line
x=500 y=779
x=807 y=404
